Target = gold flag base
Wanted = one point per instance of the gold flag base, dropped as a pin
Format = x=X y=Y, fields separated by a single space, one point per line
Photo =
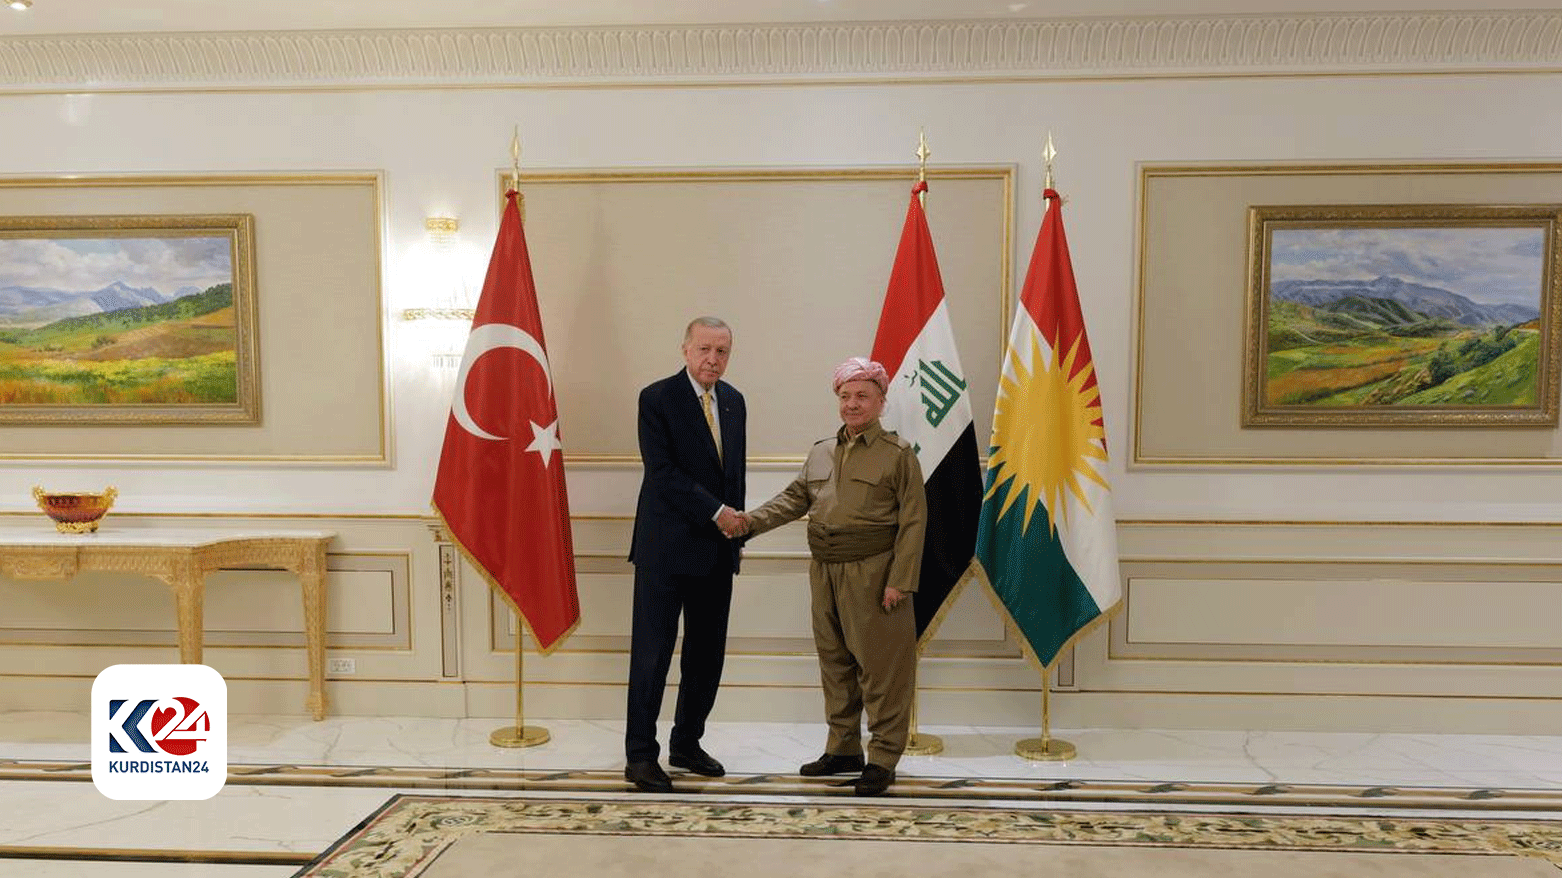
x=920 y=744
x=519 y=736
x=1045 y=749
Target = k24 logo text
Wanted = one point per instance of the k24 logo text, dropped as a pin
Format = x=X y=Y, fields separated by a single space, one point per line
x=159 y=732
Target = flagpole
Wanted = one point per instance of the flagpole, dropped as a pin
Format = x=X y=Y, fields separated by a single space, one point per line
x=1046 y=748
x=520 y=734
x=918 y=743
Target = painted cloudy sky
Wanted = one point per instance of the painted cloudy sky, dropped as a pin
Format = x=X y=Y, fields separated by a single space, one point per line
x=1488 y=266
x=88 y=264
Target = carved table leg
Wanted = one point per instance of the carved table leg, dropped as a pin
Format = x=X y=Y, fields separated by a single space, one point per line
x=189 y=591
x=311 y=577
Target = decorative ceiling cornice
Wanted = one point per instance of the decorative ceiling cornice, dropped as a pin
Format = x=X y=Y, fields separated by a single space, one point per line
x=726 y=54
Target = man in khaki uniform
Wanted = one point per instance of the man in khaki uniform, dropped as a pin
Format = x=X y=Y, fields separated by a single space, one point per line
x=862 y=491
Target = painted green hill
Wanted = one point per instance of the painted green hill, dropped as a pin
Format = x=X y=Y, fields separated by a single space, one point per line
x=1294 y=325
x=1507 y=380
x=1377 y=312
x=215 y=298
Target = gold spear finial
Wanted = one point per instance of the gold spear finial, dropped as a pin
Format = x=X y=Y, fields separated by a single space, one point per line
x=515 y=159
x=922 y=156
x=515 y=172
x=1048 y=153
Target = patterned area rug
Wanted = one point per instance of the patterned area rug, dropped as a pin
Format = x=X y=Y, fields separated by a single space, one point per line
x=1146 y=795
x=443 y=837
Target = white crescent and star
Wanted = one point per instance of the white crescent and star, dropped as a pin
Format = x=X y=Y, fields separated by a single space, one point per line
x=489 y=337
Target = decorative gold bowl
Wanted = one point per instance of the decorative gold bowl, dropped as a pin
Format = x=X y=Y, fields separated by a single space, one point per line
x=75 y=513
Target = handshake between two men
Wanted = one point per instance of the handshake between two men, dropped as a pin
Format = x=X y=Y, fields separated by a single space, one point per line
x=733 y=524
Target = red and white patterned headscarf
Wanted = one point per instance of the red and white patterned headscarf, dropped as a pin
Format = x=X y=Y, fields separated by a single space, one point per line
x=861 y=369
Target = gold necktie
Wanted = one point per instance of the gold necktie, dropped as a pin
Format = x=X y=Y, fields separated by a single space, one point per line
x=710 y=421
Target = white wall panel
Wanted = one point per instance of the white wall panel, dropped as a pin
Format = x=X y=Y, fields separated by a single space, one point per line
x=1341 y=612
x=1317 y=644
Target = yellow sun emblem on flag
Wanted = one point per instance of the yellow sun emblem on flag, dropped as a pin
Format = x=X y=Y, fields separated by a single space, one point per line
x=1047 y=433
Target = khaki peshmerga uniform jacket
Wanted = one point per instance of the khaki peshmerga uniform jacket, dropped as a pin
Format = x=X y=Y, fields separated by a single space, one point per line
x=867 y=515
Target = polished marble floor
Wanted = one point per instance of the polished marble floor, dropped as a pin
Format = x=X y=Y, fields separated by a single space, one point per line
x=296 y=786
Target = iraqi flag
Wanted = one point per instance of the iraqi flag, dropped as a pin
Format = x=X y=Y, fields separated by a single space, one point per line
x=500 y=488
x=1048 y=541
x=930 y=407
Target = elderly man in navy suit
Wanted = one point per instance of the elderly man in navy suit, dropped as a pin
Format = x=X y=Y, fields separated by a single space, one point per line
x=685 y=552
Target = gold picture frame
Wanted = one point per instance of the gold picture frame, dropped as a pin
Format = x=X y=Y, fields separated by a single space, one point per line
x=128 y=319
x=1374 y=315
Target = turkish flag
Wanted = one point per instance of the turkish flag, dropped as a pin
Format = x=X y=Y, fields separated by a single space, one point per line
x=500 y=488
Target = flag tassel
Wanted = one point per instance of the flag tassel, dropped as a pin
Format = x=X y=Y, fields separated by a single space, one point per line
x=520 y=734
x=1046 y=748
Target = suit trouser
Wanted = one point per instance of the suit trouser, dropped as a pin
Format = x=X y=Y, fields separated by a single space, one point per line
x=704 y=603
x=867 y=658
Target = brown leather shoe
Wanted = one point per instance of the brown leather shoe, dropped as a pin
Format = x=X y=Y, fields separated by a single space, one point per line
x=875 y=780
x=648 y=777
x=830 y=763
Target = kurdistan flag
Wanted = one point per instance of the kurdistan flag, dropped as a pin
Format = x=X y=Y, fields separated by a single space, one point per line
x=1047 y=539
x=930 y=407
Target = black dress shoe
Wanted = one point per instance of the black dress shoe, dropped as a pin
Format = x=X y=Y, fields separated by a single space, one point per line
x=875 y=780
x=697 y=761
x=830 y=763
x=648 y=776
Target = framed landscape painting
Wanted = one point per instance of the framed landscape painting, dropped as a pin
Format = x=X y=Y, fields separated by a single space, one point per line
x=1374 y=315
x=128 y=320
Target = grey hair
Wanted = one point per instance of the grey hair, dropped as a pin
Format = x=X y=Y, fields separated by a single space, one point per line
x=708 y=322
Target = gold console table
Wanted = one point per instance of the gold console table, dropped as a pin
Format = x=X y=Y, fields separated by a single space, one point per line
x=182 y=559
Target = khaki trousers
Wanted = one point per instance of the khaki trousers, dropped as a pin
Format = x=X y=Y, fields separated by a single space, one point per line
x=867 y=658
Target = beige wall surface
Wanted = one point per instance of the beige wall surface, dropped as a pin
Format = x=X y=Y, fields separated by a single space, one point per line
x=1266 y=590
x=795 y=261
x=1193 y=304
x=317 y=271
x=1342 y=626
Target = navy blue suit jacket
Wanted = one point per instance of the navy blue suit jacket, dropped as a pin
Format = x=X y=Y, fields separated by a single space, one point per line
x=685 y=482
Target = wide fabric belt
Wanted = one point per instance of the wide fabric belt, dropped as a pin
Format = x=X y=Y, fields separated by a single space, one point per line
x=837 y=545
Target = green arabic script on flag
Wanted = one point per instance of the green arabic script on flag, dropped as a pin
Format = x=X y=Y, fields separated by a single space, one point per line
x=941 y=389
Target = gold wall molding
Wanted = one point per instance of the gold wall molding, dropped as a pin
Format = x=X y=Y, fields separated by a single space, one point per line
x=634 y=246
x=1388 y=632
x=975 y=50
x=333 y=310
x=1181 y=399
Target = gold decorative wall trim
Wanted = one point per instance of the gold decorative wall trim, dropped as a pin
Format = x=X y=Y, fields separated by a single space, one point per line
x=1124 y=645
x=1159 y=440
x=272 y=296
x=975 y=258
x=967 y=50
x=396 y=565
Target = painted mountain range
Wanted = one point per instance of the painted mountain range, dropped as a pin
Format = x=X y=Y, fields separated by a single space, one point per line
x=36 y=306
x=1430 y=301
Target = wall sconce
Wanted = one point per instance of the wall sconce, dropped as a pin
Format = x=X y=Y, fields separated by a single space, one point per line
x=444 y=321
x=450 y=305
x=19 y=5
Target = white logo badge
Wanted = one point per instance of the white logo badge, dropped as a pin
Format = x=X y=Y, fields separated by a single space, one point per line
x=159 y=732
